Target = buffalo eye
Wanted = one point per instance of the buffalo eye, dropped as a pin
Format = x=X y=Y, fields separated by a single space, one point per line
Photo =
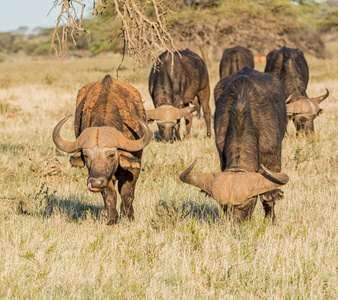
x=86 y=158
x=111 y=156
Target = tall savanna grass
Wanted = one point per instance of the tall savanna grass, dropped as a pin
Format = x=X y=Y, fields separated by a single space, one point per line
x=54 y=241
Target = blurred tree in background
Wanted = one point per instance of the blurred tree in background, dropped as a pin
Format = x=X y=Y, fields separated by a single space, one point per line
x=144 y=28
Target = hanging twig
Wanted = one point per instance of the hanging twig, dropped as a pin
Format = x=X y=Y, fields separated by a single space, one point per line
x=72 y=27
x=143 y=36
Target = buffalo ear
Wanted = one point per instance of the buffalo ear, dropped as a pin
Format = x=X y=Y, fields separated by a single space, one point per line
x=76 y=160
x=128 y=161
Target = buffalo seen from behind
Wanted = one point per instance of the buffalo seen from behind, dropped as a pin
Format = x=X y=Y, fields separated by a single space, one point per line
x=111 y=132
x=250 y=123
x=234 y=59
x=290 y=66
x=173 y=87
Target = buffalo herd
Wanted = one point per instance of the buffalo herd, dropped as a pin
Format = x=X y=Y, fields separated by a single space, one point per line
x=250 y=120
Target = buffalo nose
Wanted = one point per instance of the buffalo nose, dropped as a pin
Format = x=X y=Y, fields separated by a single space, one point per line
x=168 y=138
x=96 y=184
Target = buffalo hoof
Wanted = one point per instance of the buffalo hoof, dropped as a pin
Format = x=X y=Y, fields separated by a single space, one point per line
x=270 y=215
x=112 y=222
x=130 y=218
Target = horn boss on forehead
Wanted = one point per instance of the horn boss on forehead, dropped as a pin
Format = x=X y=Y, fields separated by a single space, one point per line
x=170 y=113
x=234 y=188
x=101 y=137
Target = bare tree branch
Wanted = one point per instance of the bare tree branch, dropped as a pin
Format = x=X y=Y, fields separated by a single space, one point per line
x=143 y=36
x=72 y=27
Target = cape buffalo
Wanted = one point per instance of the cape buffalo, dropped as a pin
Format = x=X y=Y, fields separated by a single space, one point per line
x=111 y=132
x=290 y=66
x=250 y=123
x=234 y=59
x=173 y=87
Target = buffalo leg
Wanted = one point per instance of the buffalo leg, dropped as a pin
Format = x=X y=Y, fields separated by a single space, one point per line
x=271 y=158
x=203 y=97
x=269 y=208
x=109 y=197
x=268 y=201
x=244 y=211
x=188 y=124
x=198 y=113
x=177 y=130
x=126 y=185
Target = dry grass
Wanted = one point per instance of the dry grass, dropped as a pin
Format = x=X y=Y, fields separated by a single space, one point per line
x=53 y=237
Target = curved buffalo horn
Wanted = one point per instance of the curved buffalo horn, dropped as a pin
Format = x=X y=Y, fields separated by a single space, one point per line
x=190 y=109
x=59 y=141
x=288 y=99
x=231 y=187
x=134 y=145
x=201 y=180
x=153 y=114
x=279 y=177
x=321 y=98
x=102 y=136
x=170 y=113
x=179 y=113
x=163 y=113
x=293 y=108
x=303 y=106
x=83 y=141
